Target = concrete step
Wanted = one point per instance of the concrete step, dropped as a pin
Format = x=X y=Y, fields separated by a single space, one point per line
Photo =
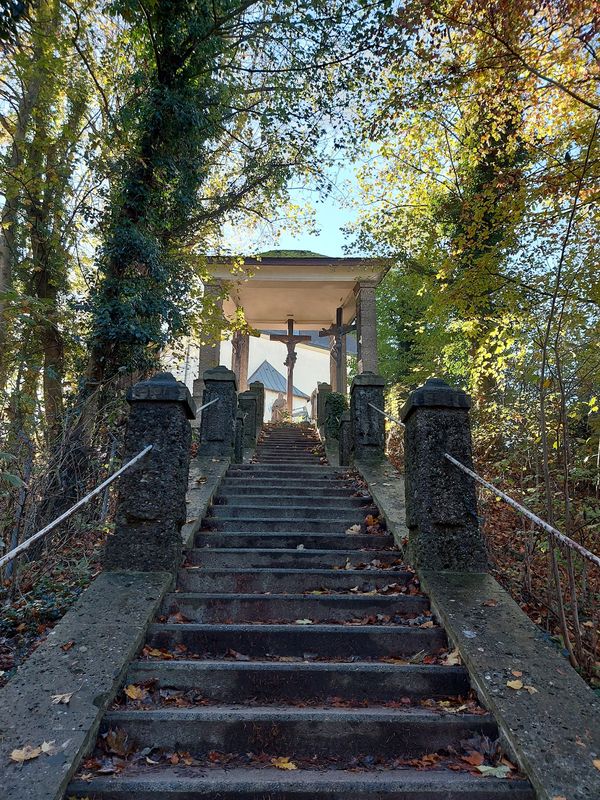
x=288 y=489
x=263 y=500
x=225 y=607
x=328 y=641
x=172 y=783
x=291 y=540
x=281 y=513
x=265 y=524
x=268 y=681
x=285 y=581
x=300 y=731
x=251 y=558
x=262 y=469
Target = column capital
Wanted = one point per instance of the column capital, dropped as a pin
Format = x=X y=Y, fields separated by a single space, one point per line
x=435 y=393
x=163 y=388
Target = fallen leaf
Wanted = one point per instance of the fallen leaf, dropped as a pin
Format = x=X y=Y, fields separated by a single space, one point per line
x=494 y=772
x=559 y=797
x=429 y=624
x=304 y=622
x=531 y=689
x=596 y=763
x=48 y=748
x=135 y=692
x=57 y=699
x=514 y=684
x=491 y=603
x=516 y=672
x=25 y=753
x=452 y=659
x=283 y=762
x=474 y=758
x=353 y=529
x=67 y=646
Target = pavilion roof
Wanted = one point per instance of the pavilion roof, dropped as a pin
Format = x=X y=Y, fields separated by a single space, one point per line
x=274 y=380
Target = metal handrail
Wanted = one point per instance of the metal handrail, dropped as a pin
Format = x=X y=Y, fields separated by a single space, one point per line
x=389 y=416
x=584 y=552
x=560 y=537
x=12 y=554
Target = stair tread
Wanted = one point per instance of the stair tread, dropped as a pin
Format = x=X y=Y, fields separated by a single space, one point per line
x=317 y=713
x=306 y=783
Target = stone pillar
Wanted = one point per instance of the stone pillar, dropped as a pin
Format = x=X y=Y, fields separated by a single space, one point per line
x=323 y=389
x=367 y=425
x=239 y=360
x=259 y=390
x=217 y=426
x=247 y=403
x=366 y=326
x=345 y=440
x=238 y=449
x=151 y=501
x=209 y=352
x=342 y=379
x=441 y=504
x=313 y=404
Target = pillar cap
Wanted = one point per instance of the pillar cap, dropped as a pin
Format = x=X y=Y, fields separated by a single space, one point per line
x=247 y=395
x=435 y=393
x=367 y=379
x=219 y=374
x=163 y=388
x=259 y=385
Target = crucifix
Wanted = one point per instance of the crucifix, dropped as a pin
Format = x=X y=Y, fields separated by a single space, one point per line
x=290 y=341
x=337 y=351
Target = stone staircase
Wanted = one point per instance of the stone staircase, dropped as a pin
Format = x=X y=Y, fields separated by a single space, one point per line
x=295 y=660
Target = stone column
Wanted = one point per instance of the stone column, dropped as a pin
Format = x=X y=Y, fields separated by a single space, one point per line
x=217 y=426
x=239 y=360
x=441 y=504
x=209 y=353
x=339 y=383
x=151 y=501
x=259 y=390
x=247 y=403
x=323 y=389
x=366 y=424
x=366 y=326
x=238 y=449
x=345 y=441
x=313 y=404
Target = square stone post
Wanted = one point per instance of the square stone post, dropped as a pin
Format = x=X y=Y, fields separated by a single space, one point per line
x=366 y=326
x=441 y=503
x=151 y=501
x=323 y=389
x=345 y=441
x=259 y=390
x=367 y=425
x=238 y=450
x=217 y=425
x=240 y=346
x=247 y=403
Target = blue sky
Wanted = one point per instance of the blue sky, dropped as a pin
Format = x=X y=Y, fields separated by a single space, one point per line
x=330 y=217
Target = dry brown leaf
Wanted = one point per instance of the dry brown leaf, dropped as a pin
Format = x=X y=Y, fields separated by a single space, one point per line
x=57 y=699
x=474 y=758
x=516 y=672
x=453 y=659
x=25 y=753
x=531 y=689
x=515 y=684
x=596 y=763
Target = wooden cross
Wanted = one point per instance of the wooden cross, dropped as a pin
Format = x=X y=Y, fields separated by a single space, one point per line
x=337 y=331
x=290 y=340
